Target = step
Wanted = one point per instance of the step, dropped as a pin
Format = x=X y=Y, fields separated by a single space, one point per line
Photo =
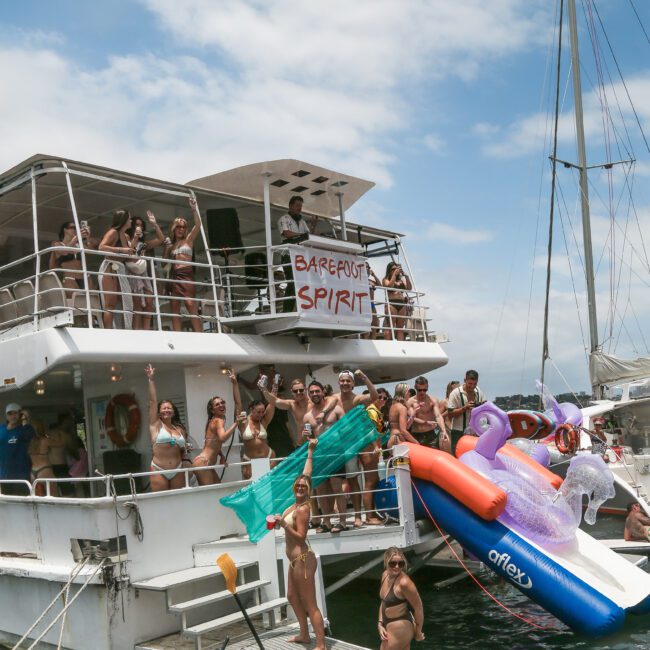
x=215 y=624
x=179 y=608
x=184 y=577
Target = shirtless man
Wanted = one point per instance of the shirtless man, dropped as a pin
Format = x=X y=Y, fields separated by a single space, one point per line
x=347 y=398
x=637 y=524
x=321 y=417
x=297 y=406
x=426 y=415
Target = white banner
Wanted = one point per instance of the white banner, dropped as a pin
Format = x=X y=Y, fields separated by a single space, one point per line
x=331 y=288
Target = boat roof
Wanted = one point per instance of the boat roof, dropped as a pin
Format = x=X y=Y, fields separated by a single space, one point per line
x=317 y=186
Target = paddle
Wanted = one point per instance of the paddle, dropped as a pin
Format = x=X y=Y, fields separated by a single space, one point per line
x=229 y=570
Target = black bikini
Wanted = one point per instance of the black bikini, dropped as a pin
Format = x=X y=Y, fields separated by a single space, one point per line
x=392 y=600
x=67 y=257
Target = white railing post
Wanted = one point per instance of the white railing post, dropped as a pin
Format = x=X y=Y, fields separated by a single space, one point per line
x=402 y=472
x=37 y=275
x=269 y=241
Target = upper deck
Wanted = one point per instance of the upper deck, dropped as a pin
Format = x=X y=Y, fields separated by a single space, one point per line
x=233 y=294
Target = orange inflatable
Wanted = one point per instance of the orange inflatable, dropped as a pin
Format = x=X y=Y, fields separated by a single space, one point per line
x=471 y=489
x=467 y=443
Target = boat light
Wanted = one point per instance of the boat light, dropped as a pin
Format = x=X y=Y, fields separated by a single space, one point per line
x=39 y=387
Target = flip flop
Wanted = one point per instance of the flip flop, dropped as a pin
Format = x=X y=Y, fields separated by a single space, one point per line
x=337 y=528
x=324 y=528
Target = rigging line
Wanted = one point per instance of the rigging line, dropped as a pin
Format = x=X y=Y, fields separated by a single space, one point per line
x=559 y=372
x=620 y=74
x=553 y=188
x=638 y=325
x=647 y=38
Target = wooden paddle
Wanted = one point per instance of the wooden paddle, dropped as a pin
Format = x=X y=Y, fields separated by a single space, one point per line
x=229 y=570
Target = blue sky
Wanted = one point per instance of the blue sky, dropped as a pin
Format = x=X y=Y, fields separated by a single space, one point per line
x=443 y=104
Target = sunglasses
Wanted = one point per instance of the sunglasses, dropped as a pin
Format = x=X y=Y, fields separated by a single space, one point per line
x=397 y=563
x=297 y=390
x=421 y=390
x=382 y=397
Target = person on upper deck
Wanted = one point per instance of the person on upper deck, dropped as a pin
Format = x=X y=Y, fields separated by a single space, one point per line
x=293 y=228
x=168 y=440
x=15 y=439
x=428 y=427
x=253 y=430
x=397 y=284
x=39 y=454
x=70 y=262
x=460 y=404
x=113 y=279
x=301 y=582
x=373 y=283
x=139 y=277
x=179 y=247
x=637 y=524
x=216 y=436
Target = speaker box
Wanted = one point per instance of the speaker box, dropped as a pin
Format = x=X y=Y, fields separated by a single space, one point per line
x=223 y=229
x=123 y=461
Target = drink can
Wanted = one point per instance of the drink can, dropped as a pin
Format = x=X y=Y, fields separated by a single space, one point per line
x=308 y=433
x=242 y=414
x=276 y=379
x=263 y=382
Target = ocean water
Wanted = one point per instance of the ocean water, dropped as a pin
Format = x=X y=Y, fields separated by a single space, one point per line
x=463 y=616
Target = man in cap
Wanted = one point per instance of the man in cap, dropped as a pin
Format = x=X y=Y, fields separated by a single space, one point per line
x=598 y=438
x=15 y=463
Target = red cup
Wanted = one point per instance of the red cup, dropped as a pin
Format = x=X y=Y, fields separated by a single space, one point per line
x=270 y=522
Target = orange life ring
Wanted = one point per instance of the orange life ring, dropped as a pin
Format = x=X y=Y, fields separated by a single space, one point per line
x=566 y=439
x=133 y=427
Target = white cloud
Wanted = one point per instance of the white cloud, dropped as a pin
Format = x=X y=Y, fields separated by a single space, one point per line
x=444 y=233
x=433 y=142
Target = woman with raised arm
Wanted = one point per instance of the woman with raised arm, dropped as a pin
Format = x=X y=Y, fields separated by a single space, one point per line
x=39 y=454
x=401 y=614
x=182 y=289
x=113 y=279
x=398 y=418
x=216 y=435
x=301 y=584
x=253 y=431
x=139 y=269
x=167 y=440
x=397 y=283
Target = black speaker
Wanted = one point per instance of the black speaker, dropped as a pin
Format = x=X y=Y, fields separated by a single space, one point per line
x=123 y=461
x=223 y=229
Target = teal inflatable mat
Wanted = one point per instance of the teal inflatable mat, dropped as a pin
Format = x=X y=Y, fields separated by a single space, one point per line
x=272 y=494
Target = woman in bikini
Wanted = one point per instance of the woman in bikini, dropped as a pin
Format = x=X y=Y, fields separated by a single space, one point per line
x=301 y=585
x=398 y=418
x=70 y=262
x=39 y=453
x=139 y=279
x=167 y=439
x=400 y=614
x=397 y=283
x=182 y=288
x=216 y=435
x=113 y=278
x=253 y=431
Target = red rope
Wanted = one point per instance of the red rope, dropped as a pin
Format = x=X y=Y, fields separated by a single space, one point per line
x=474 y=578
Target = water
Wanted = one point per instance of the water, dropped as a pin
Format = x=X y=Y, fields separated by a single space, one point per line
x=463 y=616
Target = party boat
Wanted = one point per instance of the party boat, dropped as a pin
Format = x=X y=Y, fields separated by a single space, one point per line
x=112 y=564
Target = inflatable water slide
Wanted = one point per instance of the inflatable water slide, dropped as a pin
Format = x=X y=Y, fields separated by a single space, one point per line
x=522 y=521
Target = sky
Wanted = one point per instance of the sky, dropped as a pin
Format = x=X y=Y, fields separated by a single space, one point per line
x=446 y=106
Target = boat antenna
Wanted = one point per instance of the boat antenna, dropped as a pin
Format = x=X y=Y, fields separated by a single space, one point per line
x=545 y=354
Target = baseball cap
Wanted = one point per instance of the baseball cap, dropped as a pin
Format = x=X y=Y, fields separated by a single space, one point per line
x=12 y=407
x=599 y=420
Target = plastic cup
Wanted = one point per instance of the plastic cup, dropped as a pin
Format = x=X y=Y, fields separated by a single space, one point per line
x=270 y=522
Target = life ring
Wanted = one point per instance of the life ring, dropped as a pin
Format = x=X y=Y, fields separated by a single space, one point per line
x=133 y=427
x=566 y=439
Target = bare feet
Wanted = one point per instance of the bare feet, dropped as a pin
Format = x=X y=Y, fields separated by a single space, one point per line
x=301 y=639
x=358 y=522
x=374 y=521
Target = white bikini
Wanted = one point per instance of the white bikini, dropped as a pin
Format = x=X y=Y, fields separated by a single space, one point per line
x=249 y=434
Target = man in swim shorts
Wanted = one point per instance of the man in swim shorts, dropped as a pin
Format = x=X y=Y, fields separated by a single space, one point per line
x=428 y=424
x=637 y=524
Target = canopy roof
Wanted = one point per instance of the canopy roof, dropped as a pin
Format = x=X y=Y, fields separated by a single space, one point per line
x=608 y=369
x=318 y=187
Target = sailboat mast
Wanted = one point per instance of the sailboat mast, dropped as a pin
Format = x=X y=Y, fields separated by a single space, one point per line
x=584 y=186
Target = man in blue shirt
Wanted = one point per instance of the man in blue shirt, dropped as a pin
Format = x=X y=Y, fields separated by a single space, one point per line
x=14 y=446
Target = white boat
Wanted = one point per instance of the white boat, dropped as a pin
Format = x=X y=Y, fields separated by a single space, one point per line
x=620 y=386
x=142 y=564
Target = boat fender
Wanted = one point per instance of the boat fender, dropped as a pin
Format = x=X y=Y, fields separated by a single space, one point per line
x=566 y=439
x=133 y=427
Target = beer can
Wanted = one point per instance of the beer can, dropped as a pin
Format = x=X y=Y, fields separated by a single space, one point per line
x=263 y=382
x=308 y=433
x=276 y=379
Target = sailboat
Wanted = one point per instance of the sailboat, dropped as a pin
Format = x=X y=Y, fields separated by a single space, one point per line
x=620 y=387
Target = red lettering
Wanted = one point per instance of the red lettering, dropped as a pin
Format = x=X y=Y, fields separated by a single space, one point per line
x=319 y=294
x=342 y=296
x=300 y=262
x=303 y=295
x=360 y=297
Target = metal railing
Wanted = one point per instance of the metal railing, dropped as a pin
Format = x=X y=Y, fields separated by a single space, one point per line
x=170 y=294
